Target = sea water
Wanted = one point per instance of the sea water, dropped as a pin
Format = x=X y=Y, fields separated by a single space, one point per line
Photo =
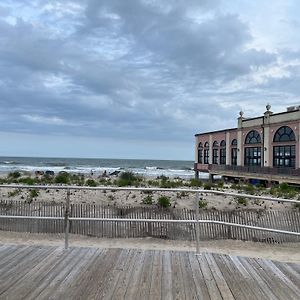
x=151 y=168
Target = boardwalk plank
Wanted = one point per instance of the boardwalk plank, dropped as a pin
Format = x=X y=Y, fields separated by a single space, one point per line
x=134 y=282
x=156 y=278
x=17 y=273
x=286 y=283
x=18 y=255
x=59 y=266
x=234 y=278
x=125 y=277
x=167 y=276
x=177 y=278
x=112 y=277
x=218 y=276
x=82 y=279
x=101 y=273
x=146 y=274
x=88 y=273
x=276 y=285
x=188 y=280
x=260 y=280
x=36 y=275
x=62 y=292
x=200 y=285
x=257 y=290
x=289 y=271
x=208 y=277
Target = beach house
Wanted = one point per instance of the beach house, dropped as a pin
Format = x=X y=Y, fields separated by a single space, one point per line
x=263 y=149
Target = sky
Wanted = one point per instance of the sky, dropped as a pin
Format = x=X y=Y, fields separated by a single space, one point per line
x=139 y=78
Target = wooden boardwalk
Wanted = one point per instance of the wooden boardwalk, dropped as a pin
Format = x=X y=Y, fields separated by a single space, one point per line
x=31 y=272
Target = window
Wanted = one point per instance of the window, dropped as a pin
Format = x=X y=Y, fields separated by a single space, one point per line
x=200 y=153
x=206 y=153
x=234 y=156
x=215 y=152
x=253 y=156
x=234 y=152
x=223 y=153
x=284 y=156
x=253 y=137
x=284 y=134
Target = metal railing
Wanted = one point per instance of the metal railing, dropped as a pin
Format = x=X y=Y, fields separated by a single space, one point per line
x=197 y=221
x=256 y=170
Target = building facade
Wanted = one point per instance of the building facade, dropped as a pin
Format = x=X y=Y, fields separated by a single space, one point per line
x=265 y=148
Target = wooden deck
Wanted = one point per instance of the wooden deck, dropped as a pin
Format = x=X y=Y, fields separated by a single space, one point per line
x=31 y=272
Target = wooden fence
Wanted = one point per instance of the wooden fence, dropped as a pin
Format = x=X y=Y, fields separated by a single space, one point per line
x=284 y=220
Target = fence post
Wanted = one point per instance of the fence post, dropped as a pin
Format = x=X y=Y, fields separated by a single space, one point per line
x=67 y=221
x=197 y=225
x=229 y=235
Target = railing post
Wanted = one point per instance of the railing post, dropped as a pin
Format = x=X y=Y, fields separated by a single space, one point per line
x=197 y=225
x=67 y=221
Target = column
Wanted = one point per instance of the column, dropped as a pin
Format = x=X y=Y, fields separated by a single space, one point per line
x=240 y=162
x=266 y=147
x=227 y=139
x=210 y=149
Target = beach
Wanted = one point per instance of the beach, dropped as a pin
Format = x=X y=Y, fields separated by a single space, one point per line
x=179 y=200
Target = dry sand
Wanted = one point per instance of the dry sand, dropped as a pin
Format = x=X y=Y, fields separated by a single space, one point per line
x=132 y=198
x=285 y=253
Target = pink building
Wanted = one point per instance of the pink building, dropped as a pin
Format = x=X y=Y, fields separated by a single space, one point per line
x=265 y=148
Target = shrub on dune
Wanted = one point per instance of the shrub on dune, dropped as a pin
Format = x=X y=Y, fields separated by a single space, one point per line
x=62 y=177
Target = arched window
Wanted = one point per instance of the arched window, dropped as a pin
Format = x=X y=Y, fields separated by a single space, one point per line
x=252 y=155
x=200 y=153
x=253 y=137
x=284 y=134
x=222 y=152
x=206 y=153
x=215 y=152
x=284 y=156
x=234 y=152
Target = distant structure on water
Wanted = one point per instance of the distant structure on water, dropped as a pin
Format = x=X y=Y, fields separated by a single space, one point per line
x=263 y=149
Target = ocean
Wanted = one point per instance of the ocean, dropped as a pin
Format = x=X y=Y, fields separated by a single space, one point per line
x=150 y=168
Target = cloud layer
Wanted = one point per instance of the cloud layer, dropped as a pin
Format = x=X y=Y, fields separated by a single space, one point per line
x=142 y=70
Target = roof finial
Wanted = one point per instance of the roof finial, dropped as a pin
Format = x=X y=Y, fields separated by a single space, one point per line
x=241 y=113
x=268 y=107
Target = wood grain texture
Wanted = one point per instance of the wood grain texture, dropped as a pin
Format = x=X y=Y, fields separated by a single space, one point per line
x=47 y=272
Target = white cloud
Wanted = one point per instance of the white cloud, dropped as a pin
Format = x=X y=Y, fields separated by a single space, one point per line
x=45 y=120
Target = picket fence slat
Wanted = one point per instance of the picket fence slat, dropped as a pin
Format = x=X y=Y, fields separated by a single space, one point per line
x=285 y=220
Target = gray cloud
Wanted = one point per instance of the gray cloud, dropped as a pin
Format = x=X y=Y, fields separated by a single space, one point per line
x=148 y=70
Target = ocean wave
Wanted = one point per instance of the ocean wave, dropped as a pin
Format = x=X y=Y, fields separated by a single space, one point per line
x=9 y=162
x=56 y=164
x=153 y=168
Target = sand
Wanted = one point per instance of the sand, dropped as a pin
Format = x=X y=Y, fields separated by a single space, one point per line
x=135 y=198
x=286 y=253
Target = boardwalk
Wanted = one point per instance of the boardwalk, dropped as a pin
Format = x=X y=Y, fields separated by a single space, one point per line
x=31 y=272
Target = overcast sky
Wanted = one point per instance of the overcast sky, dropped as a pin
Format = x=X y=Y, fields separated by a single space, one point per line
x=138 y=78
